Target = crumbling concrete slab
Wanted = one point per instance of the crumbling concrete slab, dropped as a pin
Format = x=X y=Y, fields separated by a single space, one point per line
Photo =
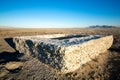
x=62 y=51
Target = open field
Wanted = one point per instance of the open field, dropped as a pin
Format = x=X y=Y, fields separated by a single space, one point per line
x=105 y=67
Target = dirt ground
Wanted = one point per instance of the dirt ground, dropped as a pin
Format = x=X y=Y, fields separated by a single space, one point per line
x=105 y=67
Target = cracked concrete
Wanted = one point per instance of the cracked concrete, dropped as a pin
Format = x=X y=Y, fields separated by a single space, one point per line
x=63 y=52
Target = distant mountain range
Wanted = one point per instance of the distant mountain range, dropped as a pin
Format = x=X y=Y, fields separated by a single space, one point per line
x=102 y=26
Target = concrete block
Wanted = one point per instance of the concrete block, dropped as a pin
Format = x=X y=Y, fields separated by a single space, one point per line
x=63 y=52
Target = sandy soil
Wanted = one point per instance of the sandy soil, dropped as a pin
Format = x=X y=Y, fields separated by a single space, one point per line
x=105 y=67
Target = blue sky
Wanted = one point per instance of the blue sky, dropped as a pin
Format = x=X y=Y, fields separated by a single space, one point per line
x=59 y=13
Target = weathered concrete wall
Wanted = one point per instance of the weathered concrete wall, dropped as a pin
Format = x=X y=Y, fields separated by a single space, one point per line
x=63 y=53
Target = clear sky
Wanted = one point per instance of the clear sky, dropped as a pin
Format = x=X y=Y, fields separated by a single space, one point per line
x=59 y=13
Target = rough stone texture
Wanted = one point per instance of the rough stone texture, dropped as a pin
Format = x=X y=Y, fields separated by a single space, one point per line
x=63 y=52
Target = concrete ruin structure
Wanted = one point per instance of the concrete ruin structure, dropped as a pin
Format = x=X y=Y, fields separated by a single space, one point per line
x=64 y=52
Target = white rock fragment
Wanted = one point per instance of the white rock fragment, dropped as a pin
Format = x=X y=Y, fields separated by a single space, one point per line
x=13 y=65
x=63 y=52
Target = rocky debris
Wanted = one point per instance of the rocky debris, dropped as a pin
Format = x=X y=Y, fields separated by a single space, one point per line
x=3 y=72
x=13 y=65
x=64 y=52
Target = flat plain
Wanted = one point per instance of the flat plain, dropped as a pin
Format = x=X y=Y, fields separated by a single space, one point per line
x=105 y=67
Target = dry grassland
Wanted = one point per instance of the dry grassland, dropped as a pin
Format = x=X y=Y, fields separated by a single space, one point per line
x=105 y=67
